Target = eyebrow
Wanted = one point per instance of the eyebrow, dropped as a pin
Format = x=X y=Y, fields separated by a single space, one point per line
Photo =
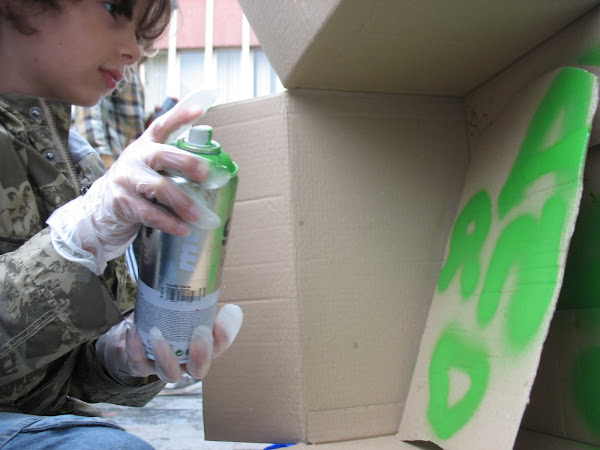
x=126 y=7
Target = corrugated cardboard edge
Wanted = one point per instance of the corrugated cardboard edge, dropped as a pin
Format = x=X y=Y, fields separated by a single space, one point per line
x=293 y=219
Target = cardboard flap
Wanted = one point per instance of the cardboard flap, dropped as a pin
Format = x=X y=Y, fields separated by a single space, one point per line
x=564 y=398
x=504 y=266
x=399 y=46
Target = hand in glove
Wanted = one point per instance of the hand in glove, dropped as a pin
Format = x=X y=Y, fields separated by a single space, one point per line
x=122 y=353
x=99 y=226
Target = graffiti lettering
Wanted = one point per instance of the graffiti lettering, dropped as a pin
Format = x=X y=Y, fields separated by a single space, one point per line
x=468 y=235
x=555 y=128
x=453 y=351
x=525 y=261
x=530 y=247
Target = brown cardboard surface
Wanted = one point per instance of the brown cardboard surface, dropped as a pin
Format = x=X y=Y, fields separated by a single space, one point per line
x=259 y=275
x=344 y=207
x=332 y=258
x=424 y=47
x=564 y=398
x=530 y=440
x=479 y=357
x=576 y=45
x=378 y=443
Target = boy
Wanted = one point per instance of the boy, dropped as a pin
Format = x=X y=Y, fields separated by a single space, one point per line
x=64 y=287
x=115 y=121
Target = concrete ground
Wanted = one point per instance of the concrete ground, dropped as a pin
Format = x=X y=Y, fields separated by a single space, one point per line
x=171 y=422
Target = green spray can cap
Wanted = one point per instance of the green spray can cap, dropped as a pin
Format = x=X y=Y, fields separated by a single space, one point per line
x=199 y=141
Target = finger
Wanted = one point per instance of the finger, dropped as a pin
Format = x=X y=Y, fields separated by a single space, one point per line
x=152 y=187
x=111 y=346
x=165 y=361
x=227 y=325
x=139 y=210
x=139 y=365
x=172 y=159
x=201 y=350
x=178 y=117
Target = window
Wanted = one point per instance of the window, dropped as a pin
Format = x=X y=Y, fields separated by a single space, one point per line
x=190 y=76
x=155 y=81
x=191 y=70
x=228 y=75
x=265 y=79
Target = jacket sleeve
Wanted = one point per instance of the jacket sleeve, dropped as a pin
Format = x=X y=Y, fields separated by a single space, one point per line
x=52 y=312
x=92 y=384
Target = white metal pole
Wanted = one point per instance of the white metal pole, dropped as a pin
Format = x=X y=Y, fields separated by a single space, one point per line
x=247 y=80
x=209 y=66
x=172 y=72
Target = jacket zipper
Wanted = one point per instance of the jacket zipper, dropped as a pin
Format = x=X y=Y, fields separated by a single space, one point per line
x=61 y=147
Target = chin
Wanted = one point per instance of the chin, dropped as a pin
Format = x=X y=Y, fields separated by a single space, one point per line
x=89 y=99
x=87 y=104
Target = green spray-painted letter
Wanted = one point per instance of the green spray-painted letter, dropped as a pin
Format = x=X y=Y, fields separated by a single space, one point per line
x=456 y=352
x=527 y=252
x=468 y=235
x=562 y=116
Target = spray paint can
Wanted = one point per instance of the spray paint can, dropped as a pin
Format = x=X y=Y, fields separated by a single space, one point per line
x=180 y=277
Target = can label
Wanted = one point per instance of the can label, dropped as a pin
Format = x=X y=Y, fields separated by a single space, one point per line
x=176 y=311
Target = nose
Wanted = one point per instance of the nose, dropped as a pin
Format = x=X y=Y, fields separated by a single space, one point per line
x=130 y=49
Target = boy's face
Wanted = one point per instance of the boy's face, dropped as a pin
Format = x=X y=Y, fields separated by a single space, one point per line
x=78 y=55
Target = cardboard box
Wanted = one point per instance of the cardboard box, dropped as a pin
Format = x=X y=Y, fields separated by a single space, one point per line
x=369 y=219
x=328 y=226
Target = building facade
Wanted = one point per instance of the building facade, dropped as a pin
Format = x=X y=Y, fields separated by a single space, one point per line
x=210 y=45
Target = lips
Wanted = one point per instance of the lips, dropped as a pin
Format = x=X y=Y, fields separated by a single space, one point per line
x=111 y=77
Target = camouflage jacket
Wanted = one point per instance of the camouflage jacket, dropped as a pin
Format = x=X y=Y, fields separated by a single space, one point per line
x=52 y=310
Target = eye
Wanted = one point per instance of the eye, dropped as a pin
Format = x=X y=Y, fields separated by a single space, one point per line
x=113 y=8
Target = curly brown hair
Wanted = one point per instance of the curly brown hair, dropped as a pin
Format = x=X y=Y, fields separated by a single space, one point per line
x=152 y=23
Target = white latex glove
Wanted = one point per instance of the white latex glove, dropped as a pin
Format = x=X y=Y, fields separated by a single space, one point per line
x=99 y=226
x=122 y=353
